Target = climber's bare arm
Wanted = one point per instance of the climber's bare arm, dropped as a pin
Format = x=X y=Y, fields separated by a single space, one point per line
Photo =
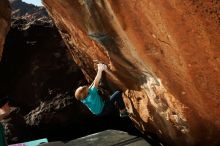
x=98 y=77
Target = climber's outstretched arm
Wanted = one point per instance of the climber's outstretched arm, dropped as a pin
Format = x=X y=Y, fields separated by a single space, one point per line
x=101 y=68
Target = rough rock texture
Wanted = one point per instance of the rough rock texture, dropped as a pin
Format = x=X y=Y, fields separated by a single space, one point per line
x=165 y=53
x=38 y=74
x=5 y=19
x=29 y=12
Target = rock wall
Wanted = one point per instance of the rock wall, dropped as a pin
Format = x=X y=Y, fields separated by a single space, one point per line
x=38 y=74
x=5 y=16
x=164 y=53
x=30 y=12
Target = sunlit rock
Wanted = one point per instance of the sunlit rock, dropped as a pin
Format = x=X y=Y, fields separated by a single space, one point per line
x=164 y=53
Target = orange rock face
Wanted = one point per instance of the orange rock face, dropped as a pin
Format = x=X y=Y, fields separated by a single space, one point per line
x=5 y=16
x=165 y=54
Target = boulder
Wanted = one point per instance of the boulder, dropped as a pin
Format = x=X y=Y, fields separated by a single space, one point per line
x=164 y=54
x=5 y=20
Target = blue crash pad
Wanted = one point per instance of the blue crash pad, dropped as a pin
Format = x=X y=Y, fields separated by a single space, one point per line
x=32 y=143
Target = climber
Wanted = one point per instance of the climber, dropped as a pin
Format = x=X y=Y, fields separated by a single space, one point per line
x=4 y=111
x=89 y=96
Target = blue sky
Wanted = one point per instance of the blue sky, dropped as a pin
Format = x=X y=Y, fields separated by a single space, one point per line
x=35 y=2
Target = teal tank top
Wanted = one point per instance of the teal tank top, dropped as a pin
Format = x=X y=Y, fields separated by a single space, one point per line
x=93 y=101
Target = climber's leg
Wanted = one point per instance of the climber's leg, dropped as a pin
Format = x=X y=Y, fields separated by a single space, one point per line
x=109 y=107
x=117 y=97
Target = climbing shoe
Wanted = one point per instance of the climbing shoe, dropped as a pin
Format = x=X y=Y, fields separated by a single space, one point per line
x=124 y=114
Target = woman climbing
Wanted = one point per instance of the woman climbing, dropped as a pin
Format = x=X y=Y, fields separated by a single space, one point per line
x=89 y=96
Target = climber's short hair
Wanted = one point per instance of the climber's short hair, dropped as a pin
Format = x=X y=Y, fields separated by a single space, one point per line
x=81 y=92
